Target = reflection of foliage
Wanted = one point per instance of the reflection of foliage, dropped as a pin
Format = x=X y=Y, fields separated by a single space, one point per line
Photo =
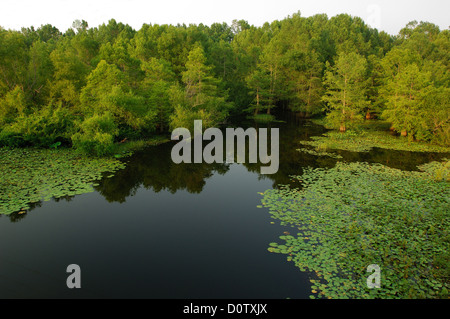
x=358 y=214
x=31 y=175
x=154 y=169
x=18 y=216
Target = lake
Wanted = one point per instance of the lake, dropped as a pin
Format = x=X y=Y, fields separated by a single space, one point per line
x=162 y=230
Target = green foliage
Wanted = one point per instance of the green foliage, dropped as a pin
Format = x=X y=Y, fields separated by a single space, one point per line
x=106 y=91
x=12 y=106
x=155 y=88
x=415 y=90
x=96 y=135
x=95 y=96
x=70 y=72
x=40 y=70
x=259 y=84
x=183 y=117
x=163 y=76
x=357 y=214
x=263 y=118
x=403 y=107
x=201 y=98
x=40 y=128
x=346 y=90
x=368 y=135
x=95 y=87
x=13 y=60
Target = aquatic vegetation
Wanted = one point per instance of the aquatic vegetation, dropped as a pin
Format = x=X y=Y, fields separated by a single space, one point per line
x=364 y=141
x=319 y=152
x=355 y=215
x=31 y=175
x=127 y=149
x=439 y=171
x=263 y=118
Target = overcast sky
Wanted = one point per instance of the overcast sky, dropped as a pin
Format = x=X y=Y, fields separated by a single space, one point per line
x=386 y=15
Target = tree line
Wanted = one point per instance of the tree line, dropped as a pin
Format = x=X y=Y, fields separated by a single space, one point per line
x=90 y=88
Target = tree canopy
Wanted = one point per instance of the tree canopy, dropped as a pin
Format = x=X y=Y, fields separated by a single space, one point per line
x=148 y=81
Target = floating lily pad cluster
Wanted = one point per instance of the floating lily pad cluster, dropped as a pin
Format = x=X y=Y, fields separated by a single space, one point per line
x=357 y=214
x=366 y=140
x=32 y=175
x=439 y=171
x=318 y=152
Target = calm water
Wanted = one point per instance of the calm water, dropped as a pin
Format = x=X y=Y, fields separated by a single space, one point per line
x=161 y=230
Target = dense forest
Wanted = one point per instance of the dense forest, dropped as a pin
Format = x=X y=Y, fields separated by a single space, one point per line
x=89 y=88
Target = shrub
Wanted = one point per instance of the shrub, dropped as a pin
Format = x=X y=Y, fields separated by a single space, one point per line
x=42 y=128
x=96 y=135
x=12 y=105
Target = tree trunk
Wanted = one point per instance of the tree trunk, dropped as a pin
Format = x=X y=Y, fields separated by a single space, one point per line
x=257 y=101
x=309 y=91
x=224 y=70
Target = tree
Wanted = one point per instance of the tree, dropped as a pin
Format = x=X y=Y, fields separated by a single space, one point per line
x=12 y=106
x=436 y=115
x=303 y=74
x=80 y=26
x=346 y=90
x=107 y=91
x=118 y=54
x=404 y=106
x=221 y=55
x=48 y=32
x=167 y=76
x=202 y=98
x=374 y=84
x=69 y=75
x=270 y=62
x=13 y=60
x=96 y=135
x=155 y=88
x=238 y=26
x=259 y=84
x=40 y=71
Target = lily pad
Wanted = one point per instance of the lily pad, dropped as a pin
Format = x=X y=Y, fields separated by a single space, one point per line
x=33 y=175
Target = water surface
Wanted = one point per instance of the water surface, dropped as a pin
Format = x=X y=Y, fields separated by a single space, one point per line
x=161 y=230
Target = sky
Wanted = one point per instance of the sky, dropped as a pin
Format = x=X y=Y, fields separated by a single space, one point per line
x=385 y=15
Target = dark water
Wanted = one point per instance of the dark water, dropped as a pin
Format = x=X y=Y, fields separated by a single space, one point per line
x=161 y=230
